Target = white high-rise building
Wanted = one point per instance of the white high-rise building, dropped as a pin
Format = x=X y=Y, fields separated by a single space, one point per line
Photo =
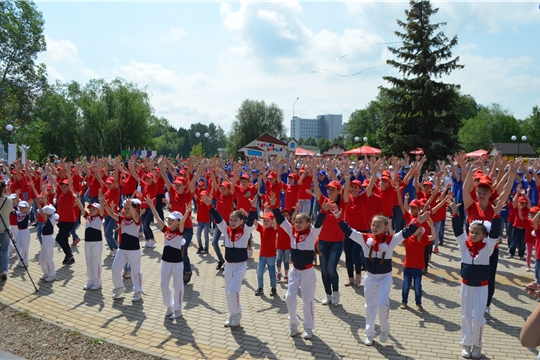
x=324 y=126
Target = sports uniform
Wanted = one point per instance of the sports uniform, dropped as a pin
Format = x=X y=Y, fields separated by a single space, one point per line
x=93 y=248
x=172 y=265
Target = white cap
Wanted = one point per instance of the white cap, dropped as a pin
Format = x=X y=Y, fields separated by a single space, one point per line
x=175 y=215
x=49 y=209
x=13 y=196
x=96 y=205
x=23 y=204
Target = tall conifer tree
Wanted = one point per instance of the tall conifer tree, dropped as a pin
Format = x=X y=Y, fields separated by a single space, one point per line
x=421 y=111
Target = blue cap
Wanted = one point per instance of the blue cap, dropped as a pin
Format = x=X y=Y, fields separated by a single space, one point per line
x=407 y=167
x=402 y=173
x=322 y=172
x=227 y=169
x=255 y=171
x=520 y=172
x=244 y=167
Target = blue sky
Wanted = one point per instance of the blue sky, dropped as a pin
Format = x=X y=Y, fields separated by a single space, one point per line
x=200 y=60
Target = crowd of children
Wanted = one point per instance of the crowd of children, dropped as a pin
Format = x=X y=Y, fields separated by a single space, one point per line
x=306 y=207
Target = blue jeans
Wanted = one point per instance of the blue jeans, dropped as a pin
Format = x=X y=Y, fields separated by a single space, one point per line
x=110 y=234
x=39 y=231
x=206 y=227
x=330 y=254
x=263 y=263
x=397 y=219
x=4 y=252
x=354 y=257
x=493 y=262
x=408 y=276
x=438 y=225
x=283 y=255
x=215 y=243
x=147 y=218
x=73 y=231
x=188 y=235
x=518 y=241
x=537 y=271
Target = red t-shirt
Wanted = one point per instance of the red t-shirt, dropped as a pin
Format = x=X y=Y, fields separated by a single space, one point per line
x=529 y=238
x=65 y=204
x=537 y=244
x=414 y=251
x=276 y=189
x=243 y=196
x=330 y=230
x=224 y=204
x=361 y=210
x=203 y=211
x=521 y=223
x=129 y=185
x=474 y=212
x=268 y=241
x=77 y=183
x=93 y=186
x=37 y=184
x=306 y=185
x=409 y=219
x=150 y=190
x=439 y=215
x=389 y=199
x=160 y=184
x=291 y=195
x=179 y=202
x=113 y=196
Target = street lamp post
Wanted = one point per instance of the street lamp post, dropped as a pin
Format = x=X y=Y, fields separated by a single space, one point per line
x=206 y=136
x=514 y=138
x=293 y=105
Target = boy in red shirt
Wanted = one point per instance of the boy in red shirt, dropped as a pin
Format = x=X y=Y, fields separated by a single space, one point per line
x=284 y=246
x=267 y=255
x=203 y=222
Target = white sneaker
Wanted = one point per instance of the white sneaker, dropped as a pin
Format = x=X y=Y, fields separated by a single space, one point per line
x=152 y=243
x=476 y=352
x=384 y=336
x=235 y=321
x=527 y=269
x=293 y=330
x=335 y=297
x=137 y=296
x=327 y=300
x=118 y=291
x=88 y=286
x=112 y=253
x=95 y=287
x=177 y=314
x=43 y=277
x=228 y=322
x=308 y=334
x=169 y=311
x=147 y=244
x=50 y=278
x=368 y=341
x=466 y=352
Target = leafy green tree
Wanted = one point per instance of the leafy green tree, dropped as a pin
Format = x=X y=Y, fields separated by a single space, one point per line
x=491 y=124
x=253 y=119
x=421 y=109
x=310 y=142
x=531 y=128
x=22 y=80
x=323 y=144
x=300 y=141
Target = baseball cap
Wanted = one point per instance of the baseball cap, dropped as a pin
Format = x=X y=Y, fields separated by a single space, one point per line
x=175 y=215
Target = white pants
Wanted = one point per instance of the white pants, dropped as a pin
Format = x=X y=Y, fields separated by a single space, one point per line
x=305 y=206
x=134 y=259
x=306 y=281
x=234 y=275
x=92 y=253
x=473 y=305
x=14 y=230
x=46 y=255
x=22 y=241
x=377 y=294
x=176 y=270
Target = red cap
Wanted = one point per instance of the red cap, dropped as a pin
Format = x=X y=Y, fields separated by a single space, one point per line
x=226 y=184
x=244 y=176
x=428 y=183
x=357 y=182
x=180 y=181
x=535 y=209
x=386 y=173
x=302 y=169
x=334 y=184
x=522 y=199
x=485 y=181
x=272 y=175
x=149 y=174
x=385 y=178
x=200 y=183
x=64 y=182
x=110 y=180
x=478 y=174
x=416 y=203
x=182 y=172
x=268 y=215
x=366 y=182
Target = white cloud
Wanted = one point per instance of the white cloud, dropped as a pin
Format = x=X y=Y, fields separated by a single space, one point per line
x=173 y=35
x=60 y=50
x=54 y=75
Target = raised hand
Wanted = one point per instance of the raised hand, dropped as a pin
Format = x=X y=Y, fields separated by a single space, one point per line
x=206 y=199
x=424 y=216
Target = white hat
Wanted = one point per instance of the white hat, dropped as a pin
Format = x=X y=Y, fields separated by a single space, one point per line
x=49 y=209
x=13 y=196
x=23 y=204
x=487 y=224
x=96 y=205
x=175 y=215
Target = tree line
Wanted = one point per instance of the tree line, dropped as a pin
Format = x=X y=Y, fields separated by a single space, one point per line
x=415 y=109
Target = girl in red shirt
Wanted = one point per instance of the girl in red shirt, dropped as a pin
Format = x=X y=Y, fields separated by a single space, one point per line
x=203 y=222
x=267 y=255
x=284 y=247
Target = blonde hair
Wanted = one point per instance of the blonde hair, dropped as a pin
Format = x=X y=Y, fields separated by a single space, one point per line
x=303 y=216
x=382 y=218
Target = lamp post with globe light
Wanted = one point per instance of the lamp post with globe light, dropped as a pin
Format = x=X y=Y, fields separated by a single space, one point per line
x=202 y=137
x=514 y=138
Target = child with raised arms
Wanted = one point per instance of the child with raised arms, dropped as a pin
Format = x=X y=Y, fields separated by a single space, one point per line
x=172 y=264
x=236 y=236
x=302 y=237
x=93 y=243
x=476 y=250
x=378 y=278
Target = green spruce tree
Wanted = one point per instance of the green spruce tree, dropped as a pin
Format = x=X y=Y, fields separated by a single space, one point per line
x=421 y=108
